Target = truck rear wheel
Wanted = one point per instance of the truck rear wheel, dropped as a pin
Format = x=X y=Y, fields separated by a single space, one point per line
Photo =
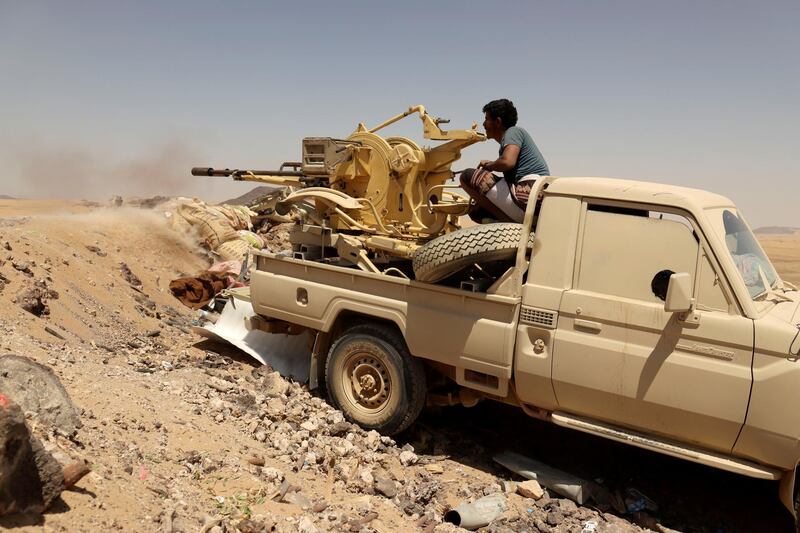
x=373 y=380
x=451 y=253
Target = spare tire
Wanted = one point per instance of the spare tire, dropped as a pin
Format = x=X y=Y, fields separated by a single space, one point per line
x=451 y=253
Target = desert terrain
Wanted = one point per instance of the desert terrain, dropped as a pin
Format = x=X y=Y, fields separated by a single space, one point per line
x=184 y=434
x=784 y=251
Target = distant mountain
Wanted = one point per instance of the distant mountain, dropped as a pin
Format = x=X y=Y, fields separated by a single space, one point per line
x=6 y=197
x=250 y=197
x=775 y=230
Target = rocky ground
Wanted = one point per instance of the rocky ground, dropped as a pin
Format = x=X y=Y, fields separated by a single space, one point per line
x=183 y=434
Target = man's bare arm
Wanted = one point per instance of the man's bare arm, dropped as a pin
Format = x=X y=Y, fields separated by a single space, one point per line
x=506 y=161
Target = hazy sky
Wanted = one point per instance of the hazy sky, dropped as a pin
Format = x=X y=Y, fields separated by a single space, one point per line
x=101 y=98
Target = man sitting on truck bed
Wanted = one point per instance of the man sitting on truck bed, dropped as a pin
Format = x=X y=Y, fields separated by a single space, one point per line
x=504 y=197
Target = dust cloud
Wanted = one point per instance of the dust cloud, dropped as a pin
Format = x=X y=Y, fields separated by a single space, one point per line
x=31 y=168
x=41 y=171
x=156 y=222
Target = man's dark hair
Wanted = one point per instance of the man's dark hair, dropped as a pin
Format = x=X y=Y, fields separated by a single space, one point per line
x=504 y=110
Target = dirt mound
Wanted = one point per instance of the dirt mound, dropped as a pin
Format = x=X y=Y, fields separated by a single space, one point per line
x=775 y=230
x=76 y=258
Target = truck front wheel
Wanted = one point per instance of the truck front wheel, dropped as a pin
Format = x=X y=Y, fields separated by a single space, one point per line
x=373 y=380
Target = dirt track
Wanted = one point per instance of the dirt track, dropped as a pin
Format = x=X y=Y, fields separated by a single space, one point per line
x=172 y=424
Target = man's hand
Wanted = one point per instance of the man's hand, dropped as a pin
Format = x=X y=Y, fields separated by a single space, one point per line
x=485 y=164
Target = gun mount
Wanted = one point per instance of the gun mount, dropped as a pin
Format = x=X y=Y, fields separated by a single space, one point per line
x=389 y=194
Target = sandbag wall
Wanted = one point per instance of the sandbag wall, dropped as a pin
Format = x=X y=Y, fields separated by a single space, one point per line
x=223 y=229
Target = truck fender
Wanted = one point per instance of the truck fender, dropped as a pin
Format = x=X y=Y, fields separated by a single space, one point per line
x=349 y=307
x=324 y=337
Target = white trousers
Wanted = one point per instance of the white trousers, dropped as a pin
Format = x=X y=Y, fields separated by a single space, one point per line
x=500 y=196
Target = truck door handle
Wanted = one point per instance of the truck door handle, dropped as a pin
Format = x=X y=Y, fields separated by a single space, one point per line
x=588 y=324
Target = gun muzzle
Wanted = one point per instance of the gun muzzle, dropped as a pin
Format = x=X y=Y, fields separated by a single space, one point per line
x=208 y=171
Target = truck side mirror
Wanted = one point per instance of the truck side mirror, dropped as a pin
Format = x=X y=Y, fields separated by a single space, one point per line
x=679 y=293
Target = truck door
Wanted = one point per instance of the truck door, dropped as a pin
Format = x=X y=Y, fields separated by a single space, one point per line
x=619 y=357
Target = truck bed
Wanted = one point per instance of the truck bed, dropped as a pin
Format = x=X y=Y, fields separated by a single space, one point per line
x=464 y=329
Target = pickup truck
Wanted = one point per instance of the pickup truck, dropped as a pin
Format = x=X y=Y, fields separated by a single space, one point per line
x=643 y=313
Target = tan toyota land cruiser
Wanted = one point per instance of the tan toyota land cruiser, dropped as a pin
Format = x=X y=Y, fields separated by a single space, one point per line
x=643 y=313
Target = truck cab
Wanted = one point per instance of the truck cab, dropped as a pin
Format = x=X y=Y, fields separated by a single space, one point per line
x=605 y=252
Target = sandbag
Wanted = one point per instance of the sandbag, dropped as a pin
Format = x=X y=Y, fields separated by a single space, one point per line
x=212 y=227
x=253 y=239
x=233 y=250
x=239 y=216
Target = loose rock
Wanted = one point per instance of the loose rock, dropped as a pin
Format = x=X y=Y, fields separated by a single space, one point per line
x=38 y=390
x=129 y=276
x=530 y=489
x=256 y=460
x=434 y=468
x=220 y=385
x=34 y=300
x=30 y=478
x=408 y=458
x=275 y=385
x=319 y=506
x=386 y=487
x=23 y=266
x=306 y=526
x=96 y=250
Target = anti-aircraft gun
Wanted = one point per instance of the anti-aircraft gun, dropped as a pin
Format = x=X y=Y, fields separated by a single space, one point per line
x=372 y=199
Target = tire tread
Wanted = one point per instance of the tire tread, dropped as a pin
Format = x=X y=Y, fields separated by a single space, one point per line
x=457 y=250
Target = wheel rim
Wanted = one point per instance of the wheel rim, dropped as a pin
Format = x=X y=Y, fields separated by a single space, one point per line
x=367 y=382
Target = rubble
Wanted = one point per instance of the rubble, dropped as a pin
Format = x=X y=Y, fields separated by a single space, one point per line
x=131 y=278
x=96 y=250
x=386 y=486
x=23 y=266
x=407 y=458
x=35 y=299
x=434 y=468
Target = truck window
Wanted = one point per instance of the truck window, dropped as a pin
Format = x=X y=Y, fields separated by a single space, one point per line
x=624 y=253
